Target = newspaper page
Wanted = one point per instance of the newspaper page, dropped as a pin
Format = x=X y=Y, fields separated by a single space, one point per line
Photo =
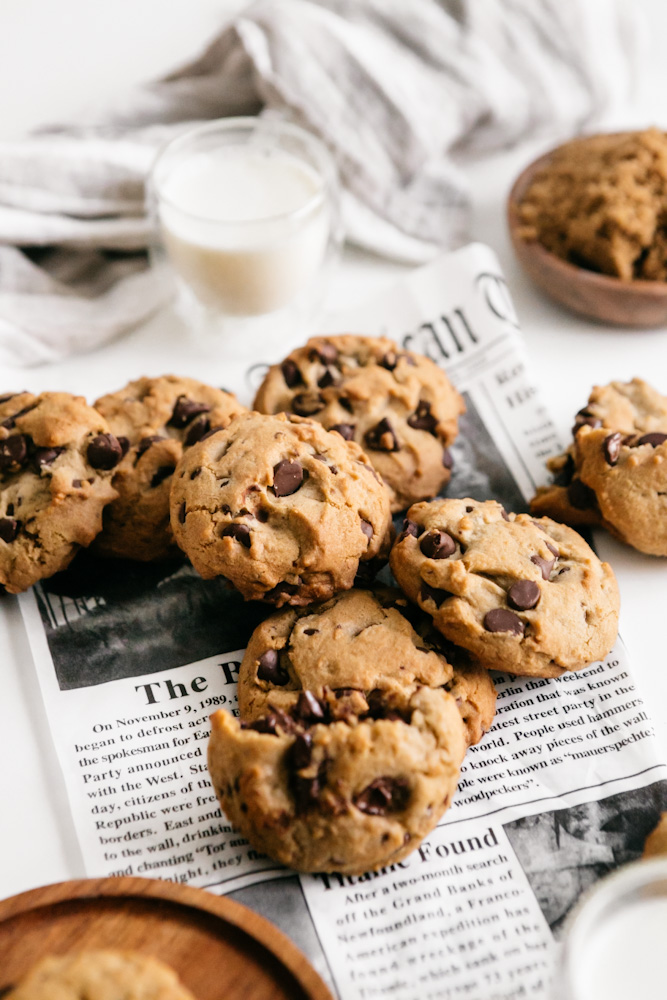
x=133 y=658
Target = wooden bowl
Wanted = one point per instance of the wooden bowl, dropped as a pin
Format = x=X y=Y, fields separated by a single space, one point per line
x=598 y=296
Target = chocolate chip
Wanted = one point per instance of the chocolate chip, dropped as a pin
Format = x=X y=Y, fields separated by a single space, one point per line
x=9 y=528
x=45 y=456
x=181 y=513
x=433 y=594
x=305 y=404
x=162 y=473
x=104 y=452
x=585 y=417
x=410 y=528
x=262 y=515
x=611 y=447
x=287 y=478
x=564 y=475
x=503 y=513
x=184 y=410
x=197 y=472
x=384 y=795
x=308 y=708
x=346 y=404
x=523 y=594
x=329 y=377
x=437 y=545
x=552 y=549
x=77 y=484
x=581 y=496
x=390 y=360
x=300 y=753
x=197 y=430
x=269 y=723
x=311 y=631
x=345 y=430
x=327 y=353
x=422 y=419
x=269 y=669
x=447 y=459
x=124 y=443
x=291 y=373
x=146 y=443
x=305 y=791
x=544 y=565
x=382 y=437
x=13 y=451
x=654 y=439
x=241 y=532
x=283 y=589
x=502 y=620
x=10 y=422
x=367 y=528
x=8 y=396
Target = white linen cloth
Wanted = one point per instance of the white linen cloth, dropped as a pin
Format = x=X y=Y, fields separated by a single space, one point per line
x=398 y=89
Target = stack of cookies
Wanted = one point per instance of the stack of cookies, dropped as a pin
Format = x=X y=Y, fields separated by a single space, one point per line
x=356 y=705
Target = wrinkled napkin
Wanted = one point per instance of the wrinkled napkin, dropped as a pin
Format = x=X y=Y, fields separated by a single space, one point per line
x=398 y=91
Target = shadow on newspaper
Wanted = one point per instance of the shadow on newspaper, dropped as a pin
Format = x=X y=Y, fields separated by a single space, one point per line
x=566 y=851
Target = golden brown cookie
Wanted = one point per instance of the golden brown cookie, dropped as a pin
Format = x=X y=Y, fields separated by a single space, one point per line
x=656 y=842
x=349 y=745
x=523 y=596
x=399 y=406
x=281 y=507
x=56 y=462
x=156 y=419
x=100 y=975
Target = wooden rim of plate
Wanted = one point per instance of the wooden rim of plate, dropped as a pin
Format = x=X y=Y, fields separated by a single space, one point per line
x=245 y=922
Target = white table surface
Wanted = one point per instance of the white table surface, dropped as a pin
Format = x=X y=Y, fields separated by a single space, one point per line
x=59 y=59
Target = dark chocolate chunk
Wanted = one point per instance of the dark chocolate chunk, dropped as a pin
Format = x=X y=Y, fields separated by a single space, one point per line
x=184 y=410
x=447 y=459
x=308 y=708
x=241 y=532
x=505 y=516
x=262 y=515
x=552 y=549
x=305 y=791
x=124 y=443
x=329 y=377
x=146 y=443
x=345 y=430
x=432 y=593
x=437 y=545
x=611 y=447
x=104 y=452
x=10 y=422
x=287 y=478
x=77 y=484
x=305 y=404
x=45 y=456
x=581 y=496
x=9 y=528
x=654 y=439
x=283 y=589
x=564 y=475
x=390 y=360
x=523 y=594
x=346 y=403
x=13 y=451
x=181 y=513
x=381 y=437
x=198 y=429
x=422 y=419
x=384 y=795
x=291 y=373
x=327 y=353
x=410 y=528
x=585 y=417
x=544 y=565
x=161 y=474
x=269 y=669
x=311 y=631
x=502 y=620
x=300 y=753
x=367 y=528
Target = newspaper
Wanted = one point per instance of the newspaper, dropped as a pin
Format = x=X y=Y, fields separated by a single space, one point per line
x=132 y=659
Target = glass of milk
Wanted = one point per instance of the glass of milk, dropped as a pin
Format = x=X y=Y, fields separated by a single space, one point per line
x=247 y=212
x=615 y=946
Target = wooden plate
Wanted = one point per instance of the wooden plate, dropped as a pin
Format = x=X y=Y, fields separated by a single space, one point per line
x=220 y=949
x=597 y=296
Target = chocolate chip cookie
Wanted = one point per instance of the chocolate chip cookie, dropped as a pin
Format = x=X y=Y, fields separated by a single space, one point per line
x=57 y=458
x=523 y=596
x=155 y=419
x=399 y=406
x=282 y=508
x=615 y=474
x=100 y=975
x=349 y=744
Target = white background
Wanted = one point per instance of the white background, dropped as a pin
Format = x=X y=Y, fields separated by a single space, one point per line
x=60 y=59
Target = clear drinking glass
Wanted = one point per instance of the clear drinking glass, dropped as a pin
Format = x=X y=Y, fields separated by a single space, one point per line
x=615 y=946
x=247 y=212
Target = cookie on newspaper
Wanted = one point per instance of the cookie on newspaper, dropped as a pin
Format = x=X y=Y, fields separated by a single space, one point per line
x=656 y=842
x=399 y=406
x=156 y=418
x=615 y=474
x=349 y=746
x=281 y=507
x=523 y=596
x=100 y=975
x=56 y=462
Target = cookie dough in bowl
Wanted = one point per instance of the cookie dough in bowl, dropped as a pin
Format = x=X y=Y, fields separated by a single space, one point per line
x=524 y=596
x=399 y=406
x=281 y=507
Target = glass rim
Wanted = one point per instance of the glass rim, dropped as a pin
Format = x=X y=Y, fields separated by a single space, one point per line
x=326 y=168
x=620 y=886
